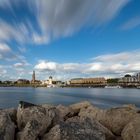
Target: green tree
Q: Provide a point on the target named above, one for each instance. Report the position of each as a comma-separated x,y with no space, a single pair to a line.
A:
113,80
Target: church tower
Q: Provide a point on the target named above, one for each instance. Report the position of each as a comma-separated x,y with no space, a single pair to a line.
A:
33,77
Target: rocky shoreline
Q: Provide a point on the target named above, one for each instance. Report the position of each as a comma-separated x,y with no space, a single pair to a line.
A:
80,121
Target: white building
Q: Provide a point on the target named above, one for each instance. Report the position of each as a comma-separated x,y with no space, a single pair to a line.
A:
130,79
49,82
138,77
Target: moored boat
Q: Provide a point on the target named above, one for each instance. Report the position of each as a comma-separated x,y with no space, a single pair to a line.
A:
113,86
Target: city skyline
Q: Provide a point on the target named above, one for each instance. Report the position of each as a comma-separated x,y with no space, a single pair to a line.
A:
69,39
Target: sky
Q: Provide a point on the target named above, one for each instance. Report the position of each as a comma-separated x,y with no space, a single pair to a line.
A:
69,38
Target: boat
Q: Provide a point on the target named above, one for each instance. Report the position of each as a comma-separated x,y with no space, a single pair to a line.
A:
138,87
113,86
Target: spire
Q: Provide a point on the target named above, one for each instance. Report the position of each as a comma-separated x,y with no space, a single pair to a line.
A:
33,77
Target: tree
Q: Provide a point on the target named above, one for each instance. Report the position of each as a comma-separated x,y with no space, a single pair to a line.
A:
113,80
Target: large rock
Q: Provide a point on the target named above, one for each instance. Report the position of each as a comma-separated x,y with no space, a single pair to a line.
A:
108,134
33,120
31,131
12,112
24,115
7,127
78,106
132,130
79,129
114,119
92,112
65,112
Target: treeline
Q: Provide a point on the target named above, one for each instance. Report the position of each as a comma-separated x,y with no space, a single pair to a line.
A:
113,81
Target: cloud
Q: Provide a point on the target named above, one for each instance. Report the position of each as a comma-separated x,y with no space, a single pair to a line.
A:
4,48
63,18
21,64
2,71
5,3
109,65
55,19
6,53
19,32
9,32
132,23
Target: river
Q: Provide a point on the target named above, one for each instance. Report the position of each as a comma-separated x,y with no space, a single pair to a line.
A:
104,98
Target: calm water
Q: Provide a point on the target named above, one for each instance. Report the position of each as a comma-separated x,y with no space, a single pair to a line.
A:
9,97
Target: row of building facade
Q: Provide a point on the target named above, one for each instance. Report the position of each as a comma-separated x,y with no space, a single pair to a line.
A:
100,80
130,79
127,79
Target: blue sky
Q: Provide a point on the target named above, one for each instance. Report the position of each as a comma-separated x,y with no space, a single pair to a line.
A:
69,39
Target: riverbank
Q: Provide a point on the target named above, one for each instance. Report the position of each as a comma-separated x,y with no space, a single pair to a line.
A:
74,86
80,121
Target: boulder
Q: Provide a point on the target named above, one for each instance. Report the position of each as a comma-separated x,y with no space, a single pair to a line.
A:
12,112
108,134
65,112
31,131
7,127
132,130
38,113
114,119
79,129
92,112
30,116
78,106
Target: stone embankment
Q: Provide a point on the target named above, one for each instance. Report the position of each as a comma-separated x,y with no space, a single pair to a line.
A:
81,121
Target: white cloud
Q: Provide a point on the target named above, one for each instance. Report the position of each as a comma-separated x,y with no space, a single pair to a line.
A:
20,65
114,65
4,48
131,23
3,71
63,18
56,19
40,39
44,65
6,52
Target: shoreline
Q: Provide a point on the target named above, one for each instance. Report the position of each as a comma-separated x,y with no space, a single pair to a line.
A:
77,121
88,86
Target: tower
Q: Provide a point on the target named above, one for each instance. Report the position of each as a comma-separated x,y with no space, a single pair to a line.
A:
33,77
50,80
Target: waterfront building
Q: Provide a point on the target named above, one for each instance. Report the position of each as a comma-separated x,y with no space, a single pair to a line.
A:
88,81
130,79
22,81
138,77
44,82
50,81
